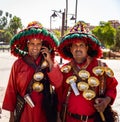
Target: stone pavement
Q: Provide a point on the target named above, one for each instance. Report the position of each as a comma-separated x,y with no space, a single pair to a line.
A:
6,61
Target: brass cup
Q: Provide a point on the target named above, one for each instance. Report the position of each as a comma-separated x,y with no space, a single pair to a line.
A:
38,76
37,86
83,74
82,86
44,64
71,79
98,70
93,81
66,68
109,72
89,94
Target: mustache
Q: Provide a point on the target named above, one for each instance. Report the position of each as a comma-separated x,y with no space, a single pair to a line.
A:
78,51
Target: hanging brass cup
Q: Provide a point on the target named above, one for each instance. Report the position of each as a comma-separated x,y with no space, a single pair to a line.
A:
82,86
38,87
83,74
98,70
89,94
93,81
44,64
66,68
38,76
109,72
71,79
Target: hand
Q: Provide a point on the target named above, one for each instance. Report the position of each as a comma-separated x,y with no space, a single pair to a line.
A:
47,56
58,117
11,117
102,103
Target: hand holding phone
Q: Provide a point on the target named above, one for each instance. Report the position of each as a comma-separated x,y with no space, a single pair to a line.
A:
47,56
44,51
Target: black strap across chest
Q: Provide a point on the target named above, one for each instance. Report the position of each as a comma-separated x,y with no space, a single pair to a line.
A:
37,68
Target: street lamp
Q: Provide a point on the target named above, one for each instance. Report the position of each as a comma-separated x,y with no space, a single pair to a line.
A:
55,14
52,16
64,25
73,18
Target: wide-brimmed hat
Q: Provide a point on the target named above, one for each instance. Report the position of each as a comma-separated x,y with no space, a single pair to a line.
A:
79,33
34,29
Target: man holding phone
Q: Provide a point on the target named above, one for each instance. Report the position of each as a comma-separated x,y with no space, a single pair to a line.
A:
30,92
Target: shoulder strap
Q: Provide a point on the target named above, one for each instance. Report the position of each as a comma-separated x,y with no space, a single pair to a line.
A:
75,69
102,85
31,63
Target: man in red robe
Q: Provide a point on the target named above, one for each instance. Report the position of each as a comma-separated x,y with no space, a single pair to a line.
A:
34,74
87,89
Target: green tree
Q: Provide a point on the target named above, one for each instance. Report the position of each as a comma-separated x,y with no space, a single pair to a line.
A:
117,39
57,33
105,33
15,24
7,36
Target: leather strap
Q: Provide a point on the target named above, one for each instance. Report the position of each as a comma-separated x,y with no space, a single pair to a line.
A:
31,63
102,85
80,117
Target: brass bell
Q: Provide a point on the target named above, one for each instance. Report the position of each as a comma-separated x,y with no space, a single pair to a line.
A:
83,74
82,86
98,70
93,81
89,94
44,64
109,72
37,86
66,68
71,79
38,76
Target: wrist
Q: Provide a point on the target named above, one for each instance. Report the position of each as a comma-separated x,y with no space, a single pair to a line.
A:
108,99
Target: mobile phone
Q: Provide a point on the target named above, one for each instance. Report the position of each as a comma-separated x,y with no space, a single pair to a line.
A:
44,54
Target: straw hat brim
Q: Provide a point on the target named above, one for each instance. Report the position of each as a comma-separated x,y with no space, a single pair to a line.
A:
89,39
18,43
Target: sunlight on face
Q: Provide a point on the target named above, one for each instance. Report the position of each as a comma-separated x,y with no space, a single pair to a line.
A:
79,51
34,47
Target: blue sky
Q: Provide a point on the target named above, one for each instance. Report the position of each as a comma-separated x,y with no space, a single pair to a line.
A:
90,11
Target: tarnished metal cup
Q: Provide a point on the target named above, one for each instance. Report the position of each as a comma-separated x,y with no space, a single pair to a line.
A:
71,80
83,74
93,81
44,64
28,99
82,86
66,68
38,76
109,72
38,87
98,70
89,94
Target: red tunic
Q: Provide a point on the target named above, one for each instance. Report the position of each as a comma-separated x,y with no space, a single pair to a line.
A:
21,75
78,104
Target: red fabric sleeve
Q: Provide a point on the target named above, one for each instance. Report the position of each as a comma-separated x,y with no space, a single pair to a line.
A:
10,95
55,76
111,91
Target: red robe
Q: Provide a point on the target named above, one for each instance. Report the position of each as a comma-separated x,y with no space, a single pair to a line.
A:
21,75
78,104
